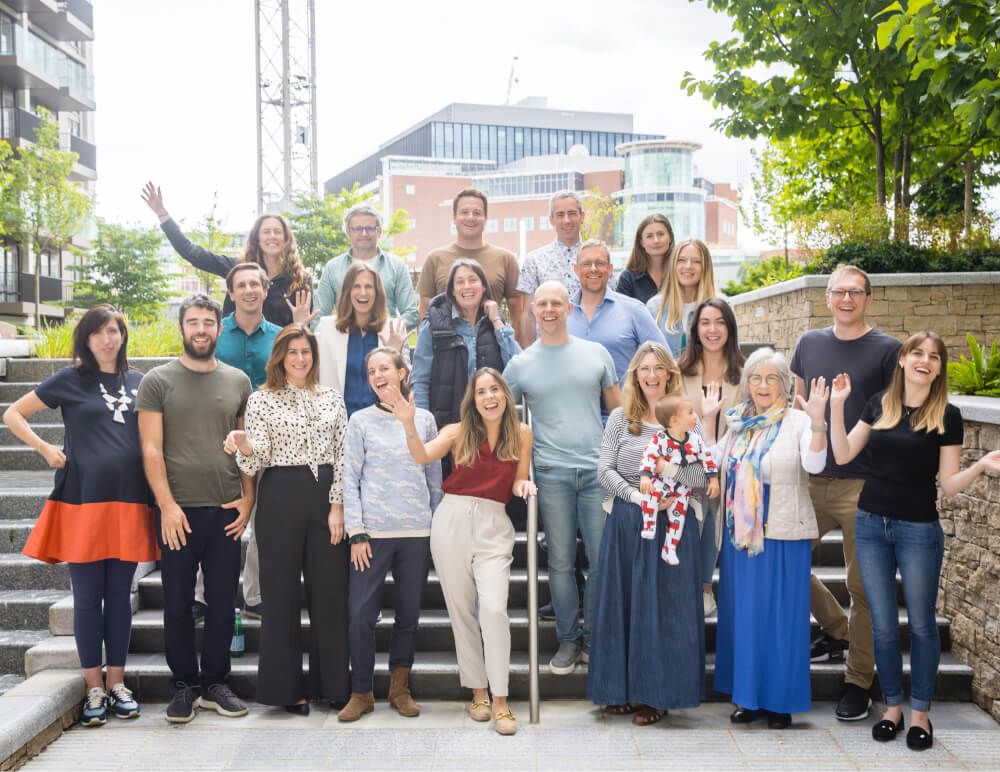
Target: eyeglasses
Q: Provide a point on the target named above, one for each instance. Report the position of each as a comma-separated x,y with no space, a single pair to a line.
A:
646,369
756,379
368,230
840,294
591,265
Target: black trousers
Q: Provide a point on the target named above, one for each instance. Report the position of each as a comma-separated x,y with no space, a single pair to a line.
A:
219,558
293,540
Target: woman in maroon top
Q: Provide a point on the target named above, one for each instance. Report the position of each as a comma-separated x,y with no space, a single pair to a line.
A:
472,539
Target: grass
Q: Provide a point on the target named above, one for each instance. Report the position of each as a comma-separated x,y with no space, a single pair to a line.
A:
158,338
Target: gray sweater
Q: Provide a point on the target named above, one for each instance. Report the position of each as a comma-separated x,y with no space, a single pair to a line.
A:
386,493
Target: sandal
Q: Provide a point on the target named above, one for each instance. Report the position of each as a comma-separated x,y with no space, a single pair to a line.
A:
647,715
624,709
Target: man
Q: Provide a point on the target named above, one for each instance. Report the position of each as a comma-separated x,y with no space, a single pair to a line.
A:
186,409
246,337
564,379
363,226
869,357
619,323
469,209
554,261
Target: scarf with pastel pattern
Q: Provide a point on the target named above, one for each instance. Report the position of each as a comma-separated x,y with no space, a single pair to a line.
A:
744,490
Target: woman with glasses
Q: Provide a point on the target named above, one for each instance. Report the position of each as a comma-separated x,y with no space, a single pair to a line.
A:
689,279
765,459
647,264
648,634
270,244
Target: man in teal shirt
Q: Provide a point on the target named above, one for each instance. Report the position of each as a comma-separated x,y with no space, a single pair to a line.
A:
246,337
363,226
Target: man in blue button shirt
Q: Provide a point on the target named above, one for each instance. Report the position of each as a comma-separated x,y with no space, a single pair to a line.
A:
619,323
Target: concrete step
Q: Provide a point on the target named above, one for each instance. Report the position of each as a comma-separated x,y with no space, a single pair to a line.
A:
14,533
24,573
37,370
434,633
14,644
11,391
49,432
23,494
16,458
27,609
435,675
44,416
9,681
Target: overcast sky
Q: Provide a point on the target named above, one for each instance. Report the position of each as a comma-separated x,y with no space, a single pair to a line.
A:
175,84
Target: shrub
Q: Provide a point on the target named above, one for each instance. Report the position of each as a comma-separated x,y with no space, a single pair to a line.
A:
979,374
901,257
157,338
764,273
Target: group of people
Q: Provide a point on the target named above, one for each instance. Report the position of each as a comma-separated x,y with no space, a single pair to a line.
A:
653,439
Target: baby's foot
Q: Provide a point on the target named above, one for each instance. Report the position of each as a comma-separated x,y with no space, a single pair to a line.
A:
671,557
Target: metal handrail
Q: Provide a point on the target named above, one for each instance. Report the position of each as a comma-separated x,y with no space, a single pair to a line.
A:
532,549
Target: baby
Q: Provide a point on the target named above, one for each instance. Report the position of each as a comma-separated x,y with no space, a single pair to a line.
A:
667,467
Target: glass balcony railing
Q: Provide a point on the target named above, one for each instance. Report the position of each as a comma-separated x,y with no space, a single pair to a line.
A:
45,59
75,77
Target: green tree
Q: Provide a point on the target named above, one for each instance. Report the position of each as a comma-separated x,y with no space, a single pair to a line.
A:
603,216
44,209
210,233
124,269
6,180
318,225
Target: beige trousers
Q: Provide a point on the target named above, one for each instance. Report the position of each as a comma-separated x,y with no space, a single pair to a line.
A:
835,501
472,543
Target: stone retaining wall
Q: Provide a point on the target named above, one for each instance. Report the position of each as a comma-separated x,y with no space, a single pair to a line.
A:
970,578
950,304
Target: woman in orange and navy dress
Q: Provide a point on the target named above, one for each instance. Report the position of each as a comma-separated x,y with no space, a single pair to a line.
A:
98,517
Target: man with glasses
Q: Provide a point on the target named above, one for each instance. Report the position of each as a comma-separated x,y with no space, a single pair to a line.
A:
363,226
619,323
870,357
555,261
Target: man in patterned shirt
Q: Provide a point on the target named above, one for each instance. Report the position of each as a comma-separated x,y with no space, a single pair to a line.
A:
555,261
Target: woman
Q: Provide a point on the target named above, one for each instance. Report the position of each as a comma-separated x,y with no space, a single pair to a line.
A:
646,266
472,539
361,325
711,367
270,244
295,435
766,456
462,332
689,281
98,516
648,652
388,500
913,435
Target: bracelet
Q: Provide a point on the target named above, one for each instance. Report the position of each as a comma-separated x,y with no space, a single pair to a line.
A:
818,429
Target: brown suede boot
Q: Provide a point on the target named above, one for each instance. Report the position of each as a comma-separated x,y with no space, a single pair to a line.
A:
399,693
357,706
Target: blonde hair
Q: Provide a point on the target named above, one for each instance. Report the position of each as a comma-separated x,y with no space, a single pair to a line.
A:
671,299
472,428
635,405
929,417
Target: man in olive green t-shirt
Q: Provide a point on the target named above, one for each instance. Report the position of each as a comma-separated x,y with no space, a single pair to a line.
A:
502,272
186,409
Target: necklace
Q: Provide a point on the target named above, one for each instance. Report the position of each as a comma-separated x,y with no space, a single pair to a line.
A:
117,405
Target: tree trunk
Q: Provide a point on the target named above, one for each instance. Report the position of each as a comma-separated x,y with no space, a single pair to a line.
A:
970,167
897,191
879,157
38,284
905,199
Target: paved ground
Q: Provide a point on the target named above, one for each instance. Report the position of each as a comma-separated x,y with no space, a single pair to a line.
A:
572,735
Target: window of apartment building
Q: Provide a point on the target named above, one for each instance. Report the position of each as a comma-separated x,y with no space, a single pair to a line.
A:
7,128
453,230
528,223
544,224
729,228
411,190
509,224
411,224
51,260
491,226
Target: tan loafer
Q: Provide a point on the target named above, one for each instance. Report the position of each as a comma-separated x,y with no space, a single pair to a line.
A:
505,723
480,711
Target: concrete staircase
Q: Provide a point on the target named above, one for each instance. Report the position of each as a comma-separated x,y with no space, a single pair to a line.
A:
28,588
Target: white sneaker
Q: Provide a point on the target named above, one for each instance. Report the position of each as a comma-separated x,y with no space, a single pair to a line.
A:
710,605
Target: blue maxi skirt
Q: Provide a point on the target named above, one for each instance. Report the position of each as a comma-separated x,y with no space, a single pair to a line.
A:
762,643
648,630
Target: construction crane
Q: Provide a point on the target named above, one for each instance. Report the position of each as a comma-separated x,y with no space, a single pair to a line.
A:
285,33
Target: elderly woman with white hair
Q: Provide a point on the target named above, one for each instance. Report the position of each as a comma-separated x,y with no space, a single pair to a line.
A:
766,456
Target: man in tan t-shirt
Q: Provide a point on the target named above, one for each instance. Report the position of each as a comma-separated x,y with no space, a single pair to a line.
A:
502,272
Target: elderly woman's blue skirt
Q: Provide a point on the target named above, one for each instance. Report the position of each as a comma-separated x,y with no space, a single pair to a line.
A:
648,630
762,643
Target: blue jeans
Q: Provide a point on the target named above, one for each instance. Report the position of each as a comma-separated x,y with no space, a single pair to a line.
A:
570,499
917,549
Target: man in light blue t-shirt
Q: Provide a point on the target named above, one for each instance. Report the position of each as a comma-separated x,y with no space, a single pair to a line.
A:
564,379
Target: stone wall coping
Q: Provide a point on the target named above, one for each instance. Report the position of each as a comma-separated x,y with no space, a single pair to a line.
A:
984,410
877,279
30,708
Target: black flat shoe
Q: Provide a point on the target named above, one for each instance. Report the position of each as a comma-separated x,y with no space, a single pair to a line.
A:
743,716
885,730
918,739
337,704
779,720
299,709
